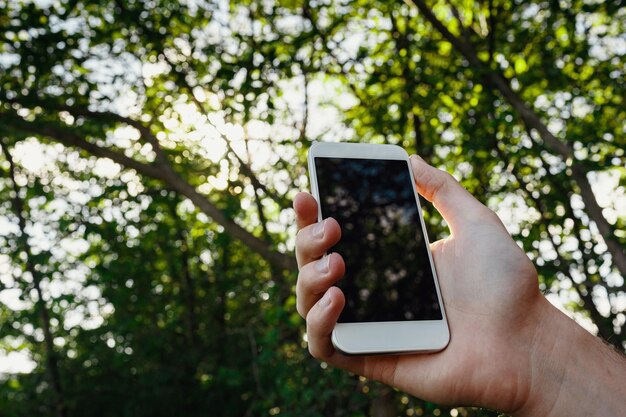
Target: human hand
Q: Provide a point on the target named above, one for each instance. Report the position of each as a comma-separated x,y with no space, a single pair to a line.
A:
490,293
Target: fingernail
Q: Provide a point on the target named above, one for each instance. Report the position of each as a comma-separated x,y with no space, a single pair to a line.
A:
322,265
418,157
318,230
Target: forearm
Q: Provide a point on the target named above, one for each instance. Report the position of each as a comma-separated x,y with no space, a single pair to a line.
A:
573,372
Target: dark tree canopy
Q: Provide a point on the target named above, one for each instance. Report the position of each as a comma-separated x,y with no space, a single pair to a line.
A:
150,151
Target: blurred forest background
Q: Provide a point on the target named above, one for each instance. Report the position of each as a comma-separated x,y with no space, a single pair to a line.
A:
150,151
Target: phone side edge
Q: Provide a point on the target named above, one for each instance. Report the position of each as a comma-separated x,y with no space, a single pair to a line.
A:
428,251
313,179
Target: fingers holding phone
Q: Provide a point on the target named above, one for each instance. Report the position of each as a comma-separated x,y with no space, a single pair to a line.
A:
315,278
321,321
318,272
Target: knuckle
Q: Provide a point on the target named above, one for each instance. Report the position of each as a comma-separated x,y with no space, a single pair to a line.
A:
430,184
439,184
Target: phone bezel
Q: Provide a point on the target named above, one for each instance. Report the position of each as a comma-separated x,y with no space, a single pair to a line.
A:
382,337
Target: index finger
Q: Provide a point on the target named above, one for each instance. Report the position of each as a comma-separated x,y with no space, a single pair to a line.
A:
306,209
455,203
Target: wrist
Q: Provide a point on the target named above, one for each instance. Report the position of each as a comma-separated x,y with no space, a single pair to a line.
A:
571,371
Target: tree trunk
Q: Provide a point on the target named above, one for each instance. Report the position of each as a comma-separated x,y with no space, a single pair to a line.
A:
40,304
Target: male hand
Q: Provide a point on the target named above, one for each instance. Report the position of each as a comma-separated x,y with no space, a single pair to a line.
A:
490,293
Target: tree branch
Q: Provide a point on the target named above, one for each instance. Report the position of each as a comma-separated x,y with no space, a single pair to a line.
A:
401,41
308,14
531,119
605,328
243,166
459,19
578,224
604,324
491,36
160,171
305,111
144,130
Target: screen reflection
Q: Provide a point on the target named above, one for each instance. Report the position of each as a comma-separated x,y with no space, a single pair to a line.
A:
388,274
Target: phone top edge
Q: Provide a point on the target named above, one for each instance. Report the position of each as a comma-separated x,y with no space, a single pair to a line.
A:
356,151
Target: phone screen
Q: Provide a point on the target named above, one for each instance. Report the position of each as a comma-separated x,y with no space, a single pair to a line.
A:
388,271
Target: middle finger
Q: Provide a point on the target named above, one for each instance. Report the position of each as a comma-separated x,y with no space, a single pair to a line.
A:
315,278
314,240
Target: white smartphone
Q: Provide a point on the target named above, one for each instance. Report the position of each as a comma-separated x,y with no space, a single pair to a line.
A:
393,302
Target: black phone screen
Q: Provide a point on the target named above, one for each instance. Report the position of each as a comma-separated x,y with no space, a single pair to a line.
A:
388,272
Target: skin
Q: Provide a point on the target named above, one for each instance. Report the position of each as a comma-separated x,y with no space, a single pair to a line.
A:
510,349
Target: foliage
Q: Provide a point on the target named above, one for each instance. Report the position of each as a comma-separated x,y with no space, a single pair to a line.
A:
151,149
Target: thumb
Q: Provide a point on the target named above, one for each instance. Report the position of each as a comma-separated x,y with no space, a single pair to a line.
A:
455,203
